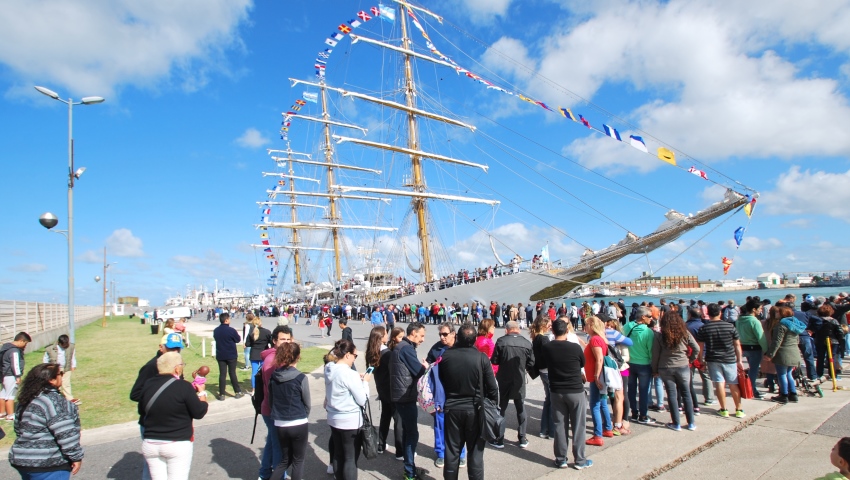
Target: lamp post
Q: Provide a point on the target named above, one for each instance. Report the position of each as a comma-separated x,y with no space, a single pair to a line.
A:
97,279
72,175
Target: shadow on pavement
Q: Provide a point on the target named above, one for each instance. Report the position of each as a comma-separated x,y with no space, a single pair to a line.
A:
130,466
237,460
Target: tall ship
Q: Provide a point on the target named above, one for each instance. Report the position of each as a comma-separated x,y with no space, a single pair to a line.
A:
381,160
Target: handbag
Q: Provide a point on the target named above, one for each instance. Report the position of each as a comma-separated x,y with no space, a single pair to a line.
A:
744,384
369,433
491,420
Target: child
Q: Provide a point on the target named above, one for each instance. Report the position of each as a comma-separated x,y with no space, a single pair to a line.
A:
346,330
840,458
199,380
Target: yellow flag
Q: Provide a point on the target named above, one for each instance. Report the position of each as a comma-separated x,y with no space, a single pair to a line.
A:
264,235
667,155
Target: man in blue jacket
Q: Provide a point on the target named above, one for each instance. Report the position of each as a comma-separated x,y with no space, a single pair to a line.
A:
405,370
226,339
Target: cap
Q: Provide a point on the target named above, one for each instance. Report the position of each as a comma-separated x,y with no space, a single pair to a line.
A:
172,340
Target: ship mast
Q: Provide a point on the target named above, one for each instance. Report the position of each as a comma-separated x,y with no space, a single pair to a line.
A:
333,215
295,241
418,181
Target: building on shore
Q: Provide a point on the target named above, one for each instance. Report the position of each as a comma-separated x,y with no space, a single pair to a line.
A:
769,280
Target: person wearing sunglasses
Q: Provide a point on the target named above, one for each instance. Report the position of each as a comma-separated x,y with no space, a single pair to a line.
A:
346,392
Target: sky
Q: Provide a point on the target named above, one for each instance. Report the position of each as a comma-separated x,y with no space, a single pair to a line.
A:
750,92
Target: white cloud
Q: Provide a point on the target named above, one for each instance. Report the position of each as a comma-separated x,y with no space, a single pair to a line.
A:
713,193
809,193
755,244
708,69
484,10
509,55
122,243
29,268
252,138
90,47
89,256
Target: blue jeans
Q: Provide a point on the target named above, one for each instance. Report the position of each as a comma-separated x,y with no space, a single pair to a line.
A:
409,414
57,475
599,411
642,373
753,361
255,367
807,350
247,353
785,377
271,451
440,436
658,386
547,420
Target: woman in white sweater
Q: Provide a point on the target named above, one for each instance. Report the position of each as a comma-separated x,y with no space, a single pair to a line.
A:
346,391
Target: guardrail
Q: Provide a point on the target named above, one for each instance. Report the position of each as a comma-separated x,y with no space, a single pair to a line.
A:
38,317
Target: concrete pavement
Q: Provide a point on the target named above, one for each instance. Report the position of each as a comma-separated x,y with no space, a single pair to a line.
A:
792,441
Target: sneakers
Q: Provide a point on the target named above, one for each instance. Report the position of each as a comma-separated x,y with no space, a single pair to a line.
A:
330,469
221,398
674,427
711,402
723,413
500,444
463,462
608,433
792,397
595,441
696,410
239,395
523,442
740,414
622,431
644,420
634,417
439,462
587,464
616,432
400,458
783,399
561,464
692,427
544,435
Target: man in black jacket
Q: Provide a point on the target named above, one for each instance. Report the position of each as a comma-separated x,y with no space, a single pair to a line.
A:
461,371
405,370
514,357
447,340
226,338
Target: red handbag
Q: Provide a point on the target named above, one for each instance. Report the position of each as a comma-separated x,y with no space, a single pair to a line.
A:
744,384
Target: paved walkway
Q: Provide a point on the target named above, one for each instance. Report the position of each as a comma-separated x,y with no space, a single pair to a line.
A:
791,441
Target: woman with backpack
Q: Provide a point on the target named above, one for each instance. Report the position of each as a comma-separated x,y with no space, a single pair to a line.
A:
783,350
672,350
289,401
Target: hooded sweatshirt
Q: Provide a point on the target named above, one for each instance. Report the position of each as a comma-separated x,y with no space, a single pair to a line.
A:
345,393
11,360
267,369
289,397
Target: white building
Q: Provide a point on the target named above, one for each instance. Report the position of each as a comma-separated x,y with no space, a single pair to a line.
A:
769,278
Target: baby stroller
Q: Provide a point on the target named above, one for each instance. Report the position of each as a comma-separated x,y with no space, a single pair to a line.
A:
810,387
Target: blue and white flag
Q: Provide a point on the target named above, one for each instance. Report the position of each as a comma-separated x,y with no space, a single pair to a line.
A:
544,254
739,235
612,132
387,13
638,143
311,97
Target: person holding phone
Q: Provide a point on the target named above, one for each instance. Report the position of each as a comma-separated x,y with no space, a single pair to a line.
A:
289,400
378,353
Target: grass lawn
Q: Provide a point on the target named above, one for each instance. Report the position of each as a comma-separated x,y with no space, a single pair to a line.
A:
108,361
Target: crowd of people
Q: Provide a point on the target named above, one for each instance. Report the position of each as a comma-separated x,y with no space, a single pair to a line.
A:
601,359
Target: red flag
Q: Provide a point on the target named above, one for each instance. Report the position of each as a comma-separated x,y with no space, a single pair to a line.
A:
727,263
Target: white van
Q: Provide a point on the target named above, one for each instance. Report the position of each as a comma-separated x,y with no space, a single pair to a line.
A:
175,313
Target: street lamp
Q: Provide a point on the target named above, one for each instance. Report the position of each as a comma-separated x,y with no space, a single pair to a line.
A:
97,279
72,176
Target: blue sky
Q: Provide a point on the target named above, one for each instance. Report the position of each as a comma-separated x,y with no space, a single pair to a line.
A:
755,90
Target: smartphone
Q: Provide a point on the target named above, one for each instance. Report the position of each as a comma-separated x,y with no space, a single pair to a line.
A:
370,370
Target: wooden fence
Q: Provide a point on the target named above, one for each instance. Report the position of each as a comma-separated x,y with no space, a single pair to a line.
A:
38,317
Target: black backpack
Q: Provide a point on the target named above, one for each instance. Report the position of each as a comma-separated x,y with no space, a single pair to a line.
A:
259,392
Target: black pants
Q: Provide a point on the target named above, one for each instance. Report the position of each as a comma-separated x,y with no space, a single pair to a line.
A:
387,414
508,393
226,367
462,429
347,445
293,446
